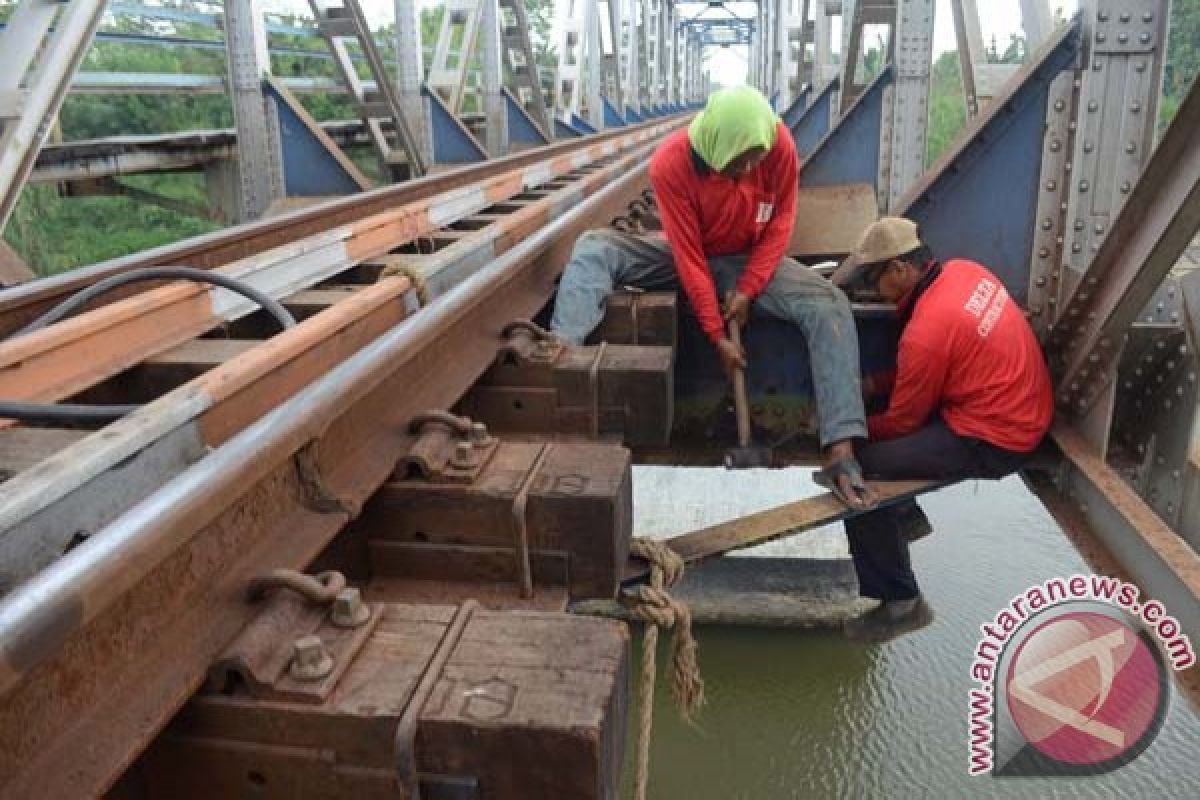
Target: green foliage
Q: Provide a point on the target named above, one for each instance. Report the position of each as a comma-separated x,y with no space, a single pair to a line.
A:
1183,57
947,107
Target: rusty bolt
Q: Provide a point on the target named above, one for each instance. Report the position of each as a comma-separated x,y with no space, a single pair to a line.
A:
310,660
479,435
464,455
349,610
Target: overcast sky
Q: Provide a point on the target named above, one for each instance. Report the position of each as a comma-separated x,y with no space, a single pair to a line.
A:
998,18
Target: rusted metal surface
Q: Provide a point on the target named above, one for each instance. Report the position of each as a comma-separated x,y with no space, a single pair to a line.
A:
1157,558
506,706
623,391
61,360
153,597
20,305
1152,231
529,504
39,510
1075,525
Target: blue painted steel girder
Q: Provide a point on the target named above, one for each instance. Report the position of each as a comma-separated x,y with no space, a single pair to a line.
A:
850,152
811,125
982,204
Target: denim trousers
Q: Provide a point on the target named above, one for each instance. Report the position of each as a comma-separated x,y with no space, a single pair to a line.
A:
878,544
604,260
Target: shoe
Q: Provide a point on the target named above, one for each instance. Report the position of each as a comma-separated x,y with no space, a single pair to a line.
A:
889,620
914,525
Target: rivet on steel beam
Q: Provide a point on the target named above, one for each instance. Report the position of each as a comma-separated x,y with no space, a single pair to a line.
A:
349,610
310,660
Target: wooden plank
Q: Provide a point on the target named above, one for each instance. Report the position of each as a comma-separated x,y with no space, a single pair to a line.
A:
774,523
202,354
830,219
21,448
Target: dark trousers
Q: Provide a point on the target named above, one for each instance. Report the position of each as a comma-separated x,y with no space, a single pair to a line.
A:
877,541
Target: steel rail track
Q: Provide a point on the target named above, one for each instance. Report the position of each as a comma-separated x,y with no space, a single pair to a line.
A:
61,360
100,648
21,304
90,481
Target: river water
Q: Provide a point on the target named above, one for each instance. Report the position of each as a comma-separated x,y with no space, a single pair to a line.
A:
810,715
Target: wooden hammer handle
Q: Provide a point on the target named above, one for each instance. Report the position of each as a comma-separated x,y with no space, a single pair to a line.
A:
741,406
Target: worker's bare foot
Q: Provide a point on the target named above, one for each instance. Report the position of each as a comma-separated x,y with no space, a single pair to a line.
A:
843,476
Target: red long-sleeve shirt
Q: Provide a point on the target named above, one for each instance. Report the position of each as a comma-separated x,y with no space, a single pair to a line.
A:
968,353
707,214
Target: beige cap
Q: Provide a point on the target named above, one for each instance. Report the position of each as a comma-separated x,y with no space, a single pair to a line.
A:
887,238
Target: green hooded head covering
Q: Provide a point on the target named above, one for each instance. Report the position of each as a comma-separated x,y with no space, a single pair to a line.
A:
733,121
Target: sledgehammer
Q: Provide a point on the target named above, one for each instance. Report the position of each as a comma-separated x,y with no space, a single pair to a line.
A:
744,456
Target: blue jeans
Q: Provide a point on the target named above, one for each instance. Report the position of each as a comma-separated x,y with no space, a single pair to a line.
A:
606,259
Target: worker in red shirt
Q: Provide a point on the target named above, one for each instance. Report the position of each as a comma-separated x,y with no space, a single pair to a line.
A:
726,192
972,399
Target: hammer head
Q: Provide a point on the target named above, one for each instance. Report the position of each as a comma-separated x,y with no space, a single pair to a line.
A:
747,457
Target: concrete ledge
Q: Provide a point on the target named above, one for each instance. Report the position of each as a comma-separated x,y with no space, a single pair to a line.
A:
818,593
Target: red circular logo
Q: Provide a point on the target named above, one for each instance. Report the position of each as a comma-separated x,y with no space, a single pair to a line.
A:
1084,688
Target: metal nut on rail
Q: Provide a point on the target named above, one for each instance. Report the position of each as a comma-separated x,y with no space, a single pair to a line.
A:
310,660
479,435
349,610
464,456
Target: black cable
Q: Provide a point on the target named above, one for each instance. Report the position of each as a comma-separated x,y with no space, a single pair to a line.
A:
37,412
77,300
